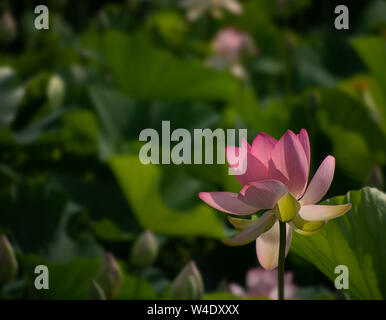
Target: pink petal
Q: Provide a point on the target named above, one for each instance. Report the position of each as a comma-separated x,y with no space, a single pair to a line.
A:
263,194
262,147
267,246
289,164
253,231
251,168
305,141
232,157
227,202
320,183
320,212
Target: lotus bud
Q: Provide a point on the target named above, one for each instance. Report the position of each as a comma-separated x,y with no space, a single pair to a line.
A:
375,178
286,208
55,91
96,292
145,250
188,285
110,276
8,263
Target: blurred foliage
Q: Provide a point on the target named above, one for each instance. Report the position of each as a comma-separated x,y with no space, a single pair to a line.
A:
74,98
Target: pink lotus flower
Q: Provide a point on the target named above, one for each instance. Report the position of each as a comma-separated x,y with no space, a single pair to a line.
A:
263,283
275,180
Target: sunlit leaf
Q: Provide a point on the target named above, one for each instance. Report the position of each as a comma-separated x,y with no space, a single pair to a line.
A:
140,184
356,240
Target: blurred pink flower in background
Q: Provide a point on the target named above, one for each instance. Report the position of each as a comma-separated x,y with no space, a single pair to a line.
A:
197,8
233,44
230,46
263,283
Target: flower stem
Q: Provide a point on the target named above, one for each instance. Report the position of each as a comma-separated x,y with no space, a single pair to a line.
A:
280,271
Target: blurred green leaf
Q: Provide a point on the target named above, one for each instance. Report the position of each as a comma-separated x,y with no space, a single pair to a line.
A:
141,183
169,24
145,72
119,116
122,119
270,115
374,16
373,51
353,137
366,90
314,293
115,224
356,240
309,68
178,190
33,131
38,213
137,288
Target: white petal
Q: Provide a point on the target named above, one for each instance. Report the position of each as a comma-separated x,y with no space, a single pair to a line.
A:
321,212
267,246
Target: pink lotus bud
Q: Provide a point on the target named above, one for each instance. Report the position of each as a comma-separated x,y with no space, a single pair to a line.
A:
110,276
188,285
145,250
8,263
